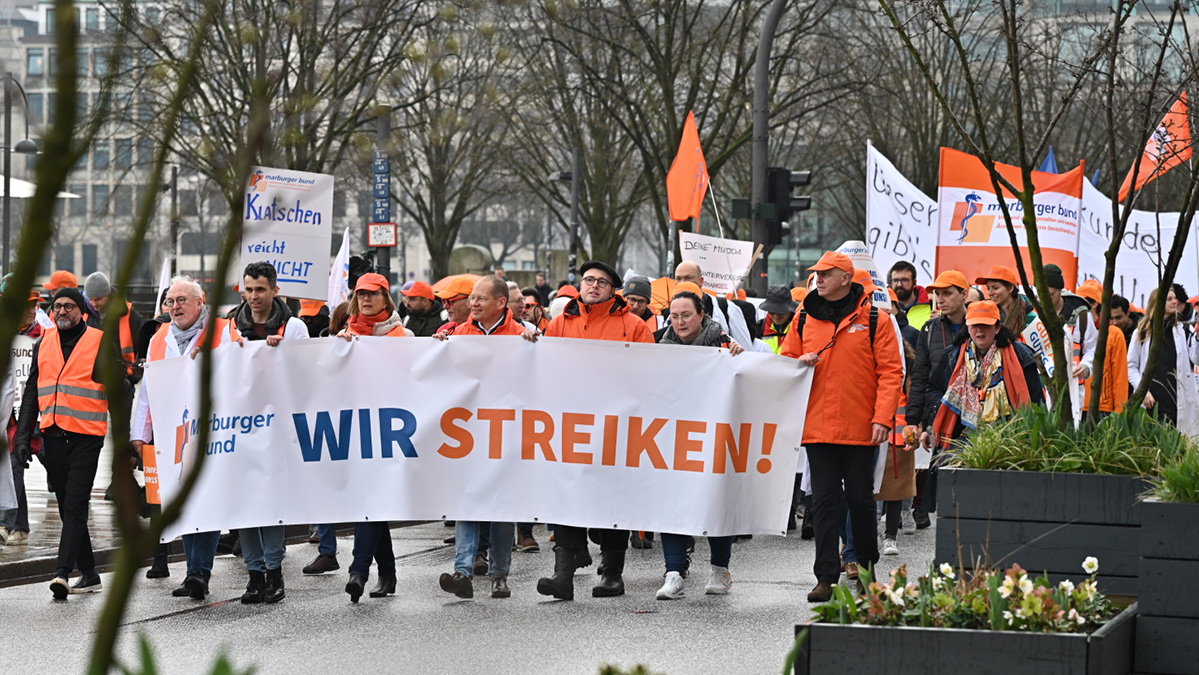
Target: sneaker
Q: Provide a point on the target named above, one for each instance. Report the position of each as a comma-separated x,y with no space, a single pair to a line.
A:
909,523
889,547
822,593
457,583
499,588
60,588
17,538
527,544
86,584
922,520
720,582
672,589
3,535
851,570
323,563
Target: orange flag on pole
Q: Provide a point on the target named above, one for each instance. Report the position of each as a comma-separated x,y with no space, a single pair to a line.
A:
1169,146
687,180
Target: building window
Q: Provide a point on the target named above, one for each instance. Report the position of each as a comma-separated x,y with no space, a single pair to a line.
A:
145,151
35,65
82,61
81,109
339,203
91,258
187,203
124,156
122,200
100,67
100,156
52,63
51,21
99,200
92,19
65,258
77,207
51,100
37,110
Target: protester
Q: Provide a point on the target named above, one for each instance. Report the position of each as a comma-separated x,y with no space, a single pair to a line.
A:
425,314
69,395
780,310
741,325
1122,317
98,291
315,315
1002,284
455,298
1114,391
985,376
372,313
337,319
182,335
638,291
909,333
61,279
913,299
935,338
490,315
1073,311
858,377
898,485
516,305
543,289
597,314
535,313
690,325
499,272
264,316
1172,396
14,523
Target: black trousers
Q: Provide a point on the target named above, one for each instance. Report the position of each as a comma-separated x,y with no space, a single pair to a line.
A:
831,465
71,462
568,536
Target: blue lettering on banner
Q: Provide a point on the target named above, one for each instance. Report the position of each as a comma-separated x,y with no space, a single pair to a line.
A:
314,438
280,213
291,271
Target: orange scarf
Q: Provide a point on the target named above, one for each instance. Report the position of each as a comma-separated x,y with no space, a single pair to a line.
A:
1013,382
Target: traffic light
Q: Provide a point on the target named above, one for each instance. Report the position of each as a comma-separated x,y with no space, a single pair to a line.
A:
779,183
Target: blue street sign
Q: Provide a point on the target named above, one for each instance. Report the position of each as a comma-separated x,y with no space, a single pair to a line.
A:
382,211
382,185
381,163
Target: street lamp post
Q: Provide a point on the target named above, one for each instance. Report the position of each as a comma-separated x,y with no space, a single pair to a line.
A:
575,178
23,146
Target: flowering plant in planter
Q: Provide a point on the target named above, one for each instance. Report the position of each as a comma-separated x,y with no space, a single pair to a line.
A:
1008,600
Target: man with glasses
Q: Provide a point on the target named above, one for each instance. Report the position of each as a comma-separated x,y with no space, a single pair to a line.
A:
65,387
638,291
597,314
913,299
855,393
182,336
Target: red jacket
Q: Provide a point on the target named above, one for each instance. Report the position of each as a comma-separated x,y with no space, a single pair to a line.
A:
610,320
856,384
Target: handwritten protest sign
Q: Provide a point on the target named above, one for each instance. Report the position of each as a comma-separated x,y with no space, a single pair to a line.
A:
289,223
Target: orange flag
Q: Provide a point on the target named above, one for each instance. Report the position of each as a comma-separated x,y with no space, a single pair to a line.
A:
687,180
1169,146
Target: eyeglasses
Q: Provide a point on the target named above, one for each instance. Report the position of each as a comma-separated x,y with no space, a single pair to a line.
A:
598,282
368,294
171,302
481,298
900,281
687,316
63,307
636,302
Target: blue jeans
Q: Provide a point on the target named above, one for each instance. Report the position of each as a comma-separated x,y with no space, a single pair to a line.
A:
199,549
674,549
263,547
373,540
328,535
466,539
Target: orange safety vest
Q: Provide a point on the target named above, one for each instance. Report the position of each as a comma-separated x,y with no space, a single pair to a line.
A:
128,352
158,343
67,395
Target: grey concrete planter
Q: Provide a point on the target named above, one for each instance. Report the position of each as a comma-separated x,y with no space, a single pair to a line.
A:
1046,522
833,648
1169,589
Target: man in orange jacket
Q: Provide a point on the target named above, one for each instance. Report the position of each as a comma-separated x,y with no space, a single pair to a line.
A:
64,387
597,314
855,393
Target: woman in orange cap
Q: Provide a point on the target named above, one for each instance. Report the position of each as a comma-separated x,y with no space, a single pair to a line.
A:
1002,285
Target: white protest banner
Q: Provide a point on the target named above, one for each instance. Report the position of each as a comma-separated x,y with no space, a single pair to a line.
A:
710,449
725,262
860,255
22,362
289,223
901,221
1147,236
339,274
1036,336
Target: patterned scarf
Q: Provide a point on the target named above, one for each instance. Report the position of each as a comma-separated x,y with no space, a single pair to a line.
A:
977,390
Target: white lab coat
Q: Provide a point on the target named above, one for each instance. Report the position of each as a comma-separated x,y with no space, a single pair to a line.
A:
1188,390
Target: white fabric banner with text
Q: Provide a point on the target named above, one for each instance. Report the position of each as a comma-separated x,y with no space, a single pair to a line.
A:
901,221
724,262
659,438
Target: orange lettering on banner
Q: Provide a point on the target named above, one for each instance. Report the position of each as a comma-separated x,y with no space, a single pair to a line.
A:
531,438
684,445
571,436
727,448
497,417
767,445
611,428
466,442
643,441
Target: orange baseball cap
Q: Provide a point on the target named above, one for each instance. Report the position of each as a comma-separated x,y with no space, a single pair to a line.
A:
421,290
799,293
891,292
372,282
982,312
950,278
34,296
832,259
1091,290
687,286
457,286
1000,273
567,291
311,307
62,279
863,277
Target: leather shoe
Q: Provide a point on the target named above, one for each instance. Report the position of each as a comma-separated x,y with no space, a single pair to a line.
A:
197,587
385,587
458,584
355,586
182,591
822,593
480,565
321,564
499,588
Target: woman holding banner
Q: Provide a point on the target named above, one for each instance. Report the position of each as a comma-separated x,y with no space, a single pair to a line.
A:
1173,395
690,325
372,312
